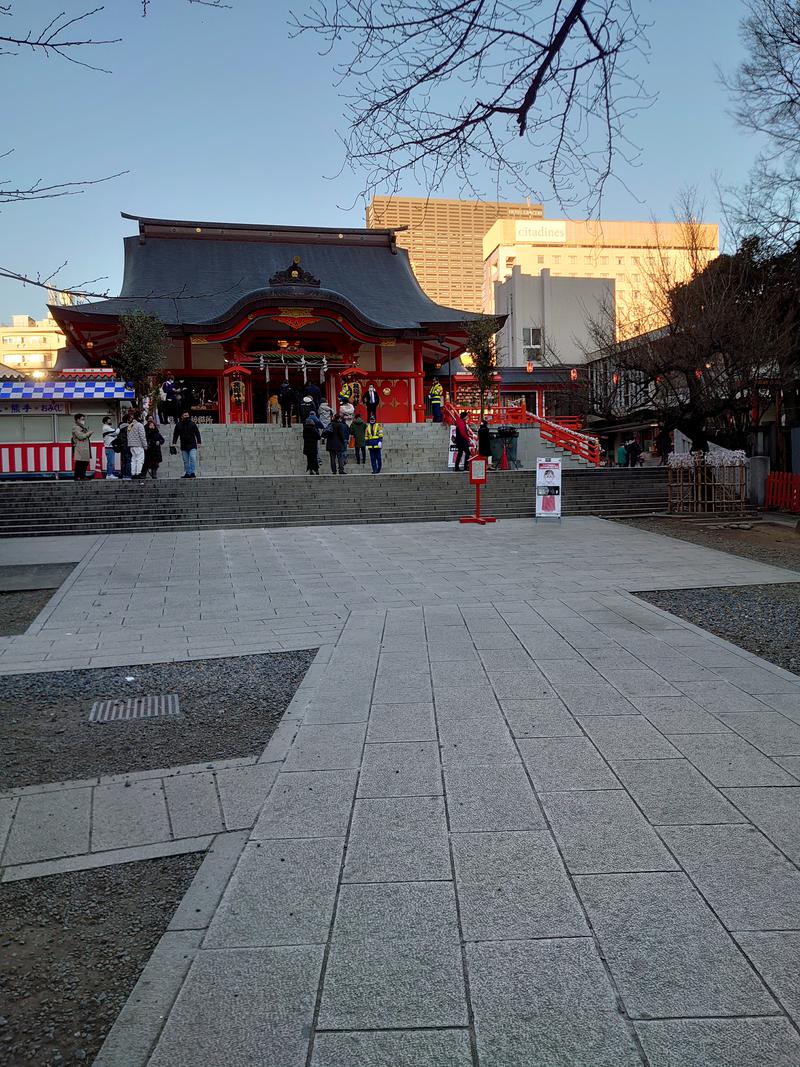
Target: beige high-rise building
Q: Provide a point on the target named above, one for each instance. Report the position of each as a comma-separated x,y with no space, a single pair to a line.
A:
640,257
445,241
28,344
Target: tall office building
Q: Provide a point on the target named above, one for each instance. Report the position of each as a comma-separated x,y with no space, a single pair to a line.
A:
445,241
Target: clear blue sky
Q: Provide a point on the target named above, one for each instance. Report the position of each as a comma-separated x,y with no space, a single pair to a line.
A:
219,115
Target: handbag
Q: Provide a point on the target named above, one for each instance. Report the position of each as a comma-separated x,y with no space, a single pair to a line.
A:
173,450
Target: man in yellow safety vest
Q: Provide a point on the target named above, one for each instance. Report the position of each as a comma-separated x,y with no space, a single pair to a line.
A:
374,441
436,397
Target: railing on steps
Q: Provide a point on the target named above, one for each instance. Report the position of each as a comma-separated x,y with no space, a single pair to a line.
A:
581,445
783,492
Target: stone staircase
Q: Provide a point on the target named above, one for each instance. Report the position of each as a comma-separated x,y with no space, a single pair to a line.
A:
268,450
37,508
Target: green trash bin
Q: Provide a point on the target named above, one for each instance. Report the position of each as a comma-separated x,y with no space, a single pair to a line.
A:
508,438
496,447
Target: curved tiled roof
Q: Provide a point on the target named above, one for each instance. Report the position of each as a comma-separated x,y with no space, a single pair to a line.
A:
199,274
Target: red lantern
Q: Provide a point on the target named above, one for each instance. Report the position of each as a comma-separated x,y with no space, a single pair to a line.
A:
573,374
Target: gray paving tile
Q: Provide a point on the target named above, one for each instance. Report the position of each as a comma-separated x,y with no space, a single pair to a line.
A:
396,910
193,804
385,983
774,955
546,1002
308,804
458,672
406,1048
575,670
672,791
748,883
678,715
513,659
513,885
566,763
202,897
492,797
399,839
125,816
769,731
400,769
603,831
520,685
243,791
790,764
667,952
621,737
639,682
355,708
401,722
327,747
776,812
49,825
463,747
540,718
281,893
758,680
719,695
726,759
720,1043
594,700
243,1006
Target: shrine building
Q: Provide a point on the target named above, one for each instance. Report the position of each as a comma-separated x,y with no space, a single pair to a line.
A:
248,307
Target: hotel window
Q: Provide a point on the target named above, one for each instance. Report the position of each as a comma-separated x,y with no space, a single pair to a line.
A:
573,259
604,261
556,259
620,261
540,259
587,260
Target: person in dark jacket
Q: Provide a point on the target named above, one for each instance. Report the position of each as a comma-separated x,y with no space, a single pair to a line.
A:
307,406
188,434
313,390
358,428
484,440
311,436
371,399
336,437
462,440
152,453
287,398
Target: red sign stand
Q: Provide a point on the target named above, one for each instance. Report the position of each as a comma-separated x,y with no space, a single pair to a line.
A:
478,476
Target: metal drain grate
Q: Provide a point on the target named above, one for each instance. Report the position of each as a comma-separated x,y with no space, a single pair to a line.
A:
135,708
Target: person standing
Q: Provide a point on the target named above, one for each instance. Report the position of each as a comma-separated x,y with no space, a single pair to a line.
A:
311,436
358,428
371,401
170,402
484,440
634,450
345,393
109,433
81,448
462,440
348,412
374,442
137,442
152,454
336,444
436,397
663,445
287,400
307,406
325,413
188,434
312,389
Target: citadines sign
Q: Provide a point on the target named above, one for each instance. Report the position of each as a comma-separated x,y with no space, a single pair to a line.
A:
542,233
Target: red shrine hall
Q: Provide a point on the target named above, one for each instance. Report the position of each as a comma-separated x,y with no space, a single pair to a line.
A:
248,307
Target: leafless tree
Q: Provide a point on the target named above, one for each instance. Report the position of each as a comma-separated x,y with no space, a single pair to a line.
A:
766,100
518,88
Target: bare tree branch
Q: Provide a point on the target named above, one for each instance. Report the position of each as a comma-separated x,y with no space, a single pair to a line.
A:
440,88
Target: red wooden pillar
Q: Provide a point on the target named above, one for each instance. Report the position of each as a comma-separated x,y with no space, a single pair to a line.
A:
419,384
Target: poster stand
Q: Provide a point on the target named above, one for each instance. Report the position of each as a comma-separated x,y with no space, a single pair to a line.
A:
478,476
548,489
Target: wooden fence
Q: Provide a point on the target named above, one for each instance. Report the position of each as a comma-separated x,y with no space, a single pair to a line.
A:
705,488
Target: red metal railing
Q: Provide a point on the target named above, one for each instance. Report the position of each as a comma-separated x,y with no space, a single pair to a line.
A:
783,492
42,458
579,444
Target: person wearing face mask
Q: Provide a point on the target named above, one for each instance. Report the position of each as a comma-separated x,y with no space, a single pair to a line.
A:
81,448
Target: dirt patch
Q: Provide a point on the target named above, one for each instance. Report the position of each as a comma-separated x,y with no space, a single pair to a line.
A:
764,619
73,947
19,609
766,542
230,708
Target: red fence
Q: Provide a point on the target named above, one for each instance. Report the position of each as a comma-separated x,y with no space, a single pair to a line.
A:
42,459
783,492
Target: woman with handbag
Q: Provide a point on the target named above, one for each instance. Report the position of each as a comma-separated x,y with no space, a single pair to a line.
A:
152,453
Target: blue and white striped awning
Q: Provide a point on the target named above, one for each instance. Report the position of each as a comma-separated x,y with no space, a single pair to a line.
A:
108,389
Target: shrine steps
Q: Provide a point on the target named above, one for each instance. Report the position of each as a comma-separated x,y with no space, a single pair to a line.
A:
99,507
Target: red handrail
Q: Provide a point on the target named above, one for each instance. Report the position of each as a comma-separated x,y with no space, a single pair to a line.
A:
783,492
579,444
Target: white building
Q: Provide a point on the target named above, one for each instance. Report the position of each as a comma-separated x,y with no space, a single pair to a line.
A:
549,317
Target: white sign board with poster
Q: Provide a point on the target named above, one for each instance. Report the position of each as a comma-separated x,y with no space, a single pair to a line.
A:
548,488
453,449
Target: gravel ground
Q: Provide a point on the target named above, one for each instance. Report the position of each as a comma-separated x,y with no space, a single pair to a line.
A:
764,619
19,609
73,947
230,707
766,542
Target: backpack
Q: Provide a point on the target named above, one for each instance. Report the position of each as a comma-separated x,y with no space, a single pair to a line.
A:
120,442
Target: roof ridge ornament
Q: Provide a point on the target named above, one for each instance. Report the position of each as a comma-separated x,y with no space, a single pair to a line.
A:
294,275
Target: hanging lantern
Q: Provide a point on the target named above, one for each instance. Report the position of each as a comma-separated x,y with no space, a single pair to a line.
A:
615,378
529,366
573,375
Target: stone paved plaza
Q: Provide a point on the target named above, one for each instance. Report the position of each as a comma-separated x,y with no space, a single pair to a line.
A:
513,817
